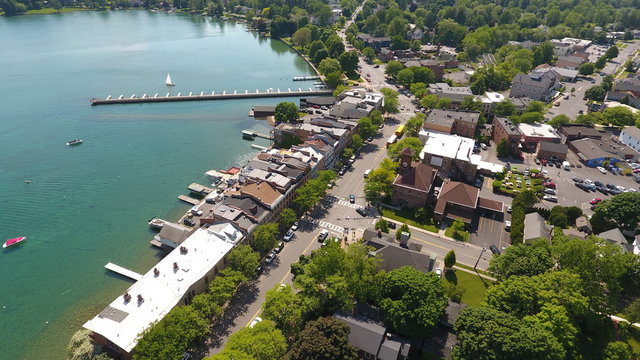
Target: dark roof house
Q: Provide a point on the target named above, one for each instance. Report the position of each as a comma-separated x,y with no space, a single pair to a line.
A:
372,339
395,256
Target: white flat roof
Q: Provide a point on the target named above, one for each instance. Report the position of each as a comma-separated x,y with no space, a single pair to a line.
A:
493,167
121,322
449,146
492,97
538,130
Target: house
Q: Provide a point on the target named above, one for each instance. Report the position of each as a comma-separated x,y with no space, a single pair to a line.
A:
532,134
262,111
456,200
630,136
537,85
490,100
412,186
570,132
452,155
616,237
583,224
375,42
631,84
503,128
622,96
455,94
574,233
172,235
461,123
357,103
173,281
372,340
550,150
594,152
395,256
572,43
536,228
386,55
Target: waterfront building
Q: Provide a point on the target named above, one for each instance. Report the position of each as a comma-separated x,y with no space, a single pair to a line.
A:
174,281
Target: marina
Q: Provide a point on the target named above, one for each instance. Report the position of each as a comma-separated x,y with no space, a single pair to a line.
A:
305,78
133,99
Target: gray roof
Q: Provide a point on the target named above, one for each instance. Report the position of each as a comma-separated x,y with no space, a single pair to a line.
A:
597,149
264,108
509,127
615,237
554,147
585,131
632,131
394,256
365,334
447,117
322,100
175,232
535,227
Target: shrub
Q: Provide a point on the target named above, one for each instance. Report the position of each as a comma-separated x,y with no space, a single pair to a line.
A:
496,186
382,225
455,293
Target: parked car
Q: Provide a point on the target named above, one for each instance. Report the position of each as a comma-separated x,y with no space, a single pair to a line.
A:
550,198
279,248
509,209
196,211
352,198
255,321
549,191
537,161
603,190
361,211
621,188
598,183
549,185
323,235
587,182
391,224
507,225
577,180
494,249
610,186
595,201
189,221
270,256
483,146
601,169
288,236
294,227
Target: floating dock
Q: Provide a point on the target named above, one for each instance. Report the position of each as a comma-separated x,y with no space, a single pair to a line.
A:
122,271
199,189
307,77
188,199
213,96
258,147
250,134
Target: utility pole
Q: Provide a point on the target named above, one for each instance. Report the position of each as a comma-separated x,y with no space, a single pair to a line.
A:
484,248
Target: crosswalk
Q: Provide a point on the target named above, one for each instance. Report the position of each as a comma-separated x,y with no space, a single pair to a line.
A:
333,199
406,113
329,226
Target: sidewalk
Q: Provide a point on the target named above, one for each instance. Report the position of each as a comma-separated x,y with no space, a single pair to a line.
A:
474,273
439,234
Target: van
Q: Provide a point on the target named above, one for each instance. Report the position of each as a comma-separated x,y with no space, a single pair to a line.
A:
366,173
566,165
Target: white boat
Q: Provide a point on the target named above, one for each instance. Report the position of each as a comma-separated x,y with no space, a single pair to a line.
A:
156,223
169,82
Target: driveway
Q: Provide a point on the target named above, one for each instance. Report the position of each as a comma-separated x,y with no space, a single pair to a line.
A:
488,229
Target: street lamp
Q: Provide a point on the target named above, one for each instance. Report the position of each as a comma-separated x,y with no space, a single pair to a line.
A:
484,248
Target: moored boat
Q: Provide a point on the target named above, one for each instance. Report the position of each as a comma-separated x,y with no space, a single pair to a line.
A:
74,142
156,223
14,241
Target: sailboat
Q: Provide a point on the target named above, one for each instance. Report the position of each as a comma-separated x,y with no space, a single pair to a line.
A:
169,82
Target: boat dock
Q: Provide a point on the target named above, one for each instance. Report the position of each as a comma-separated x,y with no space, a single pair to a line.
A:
199,189
258,147
250,134
188,199
122,271
306,77
269,93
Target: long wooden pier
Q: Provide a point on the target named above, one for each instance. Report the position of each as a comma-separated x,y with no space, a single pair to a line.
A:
188,200
122,271
133,99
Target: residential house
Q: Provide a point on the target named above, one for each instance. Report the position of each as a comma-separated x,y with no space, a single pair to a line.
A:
456,200
372,340
630,84
564,74
574,233
455,94
583,224
615,98
532,134
550,150
630,136
395,256
536,228
490,100
173,281
171,235
594,152
570,132
375,42
461,123
412,185
503,128
386,55
261,111
537,85
245,213
616,237
452,155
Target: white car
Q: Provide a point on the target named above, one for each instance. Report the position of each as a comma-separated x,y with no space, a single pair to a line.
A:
507,225
550,198
288,236
323,235
255,321
621,188
196,211
587,182
294,227
439,272
601,169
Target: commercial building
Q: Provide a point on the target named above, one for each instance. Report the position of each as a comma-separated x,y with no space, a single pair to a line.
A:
532,134
463,123
412,186
174,281
503,128
569,133
452,155
455,94
550,150
630,136
594,152
573,44
537,85
357,103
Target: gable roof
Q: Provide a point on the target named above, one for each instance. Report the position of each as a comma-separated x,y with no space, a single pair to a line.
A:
419,176
394,256
457,193
262,191
371,337
554,147
535,227
614,236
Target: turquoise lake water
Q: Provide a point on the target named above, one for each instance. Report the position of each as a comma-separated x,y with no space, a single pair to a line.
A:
88,205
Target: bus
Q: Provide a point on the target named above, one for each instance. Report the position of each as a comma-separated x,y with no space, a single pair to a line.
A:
400,131
392,140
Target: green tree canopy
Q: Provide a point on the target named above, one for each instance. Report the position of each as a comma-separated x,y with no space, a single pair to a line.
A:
612,52
596,93
287,218
265,237
329,65
393,68
243,259
390,100
408,142
559,120
450,259
429,101
366,128
504,108
283,307
286,112
405,77
261,342
619,116
503,148
325,338
522,259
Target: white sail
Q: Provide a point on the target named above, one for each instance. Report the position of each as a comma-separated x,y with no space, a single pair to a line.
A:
169,82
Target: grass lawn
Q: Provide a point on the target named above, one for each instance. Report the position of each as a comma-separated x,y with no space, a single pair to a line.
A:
407,217
471,268
47,11
472,284
512,186
449,233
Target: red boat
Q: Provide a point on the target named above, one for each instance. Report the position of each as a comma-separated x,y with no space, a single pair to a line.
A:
15,241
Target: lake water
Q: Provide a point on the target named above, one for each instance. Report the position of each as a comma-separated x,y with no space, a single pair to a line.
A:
88,205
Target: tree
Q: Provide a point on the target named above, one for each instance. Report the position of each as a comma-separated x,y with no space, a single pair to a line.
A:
302,37
314,47
243,259
404,228
535,106
265,237
390,100
378,184
619,116
282,306
382,225
325,338
261,342
450,33
376,117
366,129
287,218
423,74
450,259
624,209
356,141
329,65
503,148
601,62
632,312
587,68
393,68
429,101
530,118
443,103
349,63
612,52
595,93
334,79
419,89
520,259
504,108
471,103
408,142
286,112
405,77
414,125
412,301
618,350
559,120
369,53
360,270
558,217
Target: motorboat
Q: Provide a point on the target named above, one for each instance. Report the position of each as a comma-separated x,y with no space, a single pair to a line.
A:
13,242
74,142
156,223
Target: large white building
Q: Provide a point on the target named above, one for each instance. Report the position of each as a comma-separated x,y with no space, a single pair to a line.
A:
174,281
451,154
630,136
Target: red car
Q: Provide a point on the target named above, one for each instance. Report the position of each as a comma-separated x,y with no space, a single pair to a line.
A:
595,201
316,106
550,185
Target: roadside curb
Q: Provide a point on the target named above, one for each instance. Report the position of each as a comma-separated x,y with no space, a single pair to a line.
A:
475,273
456,242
